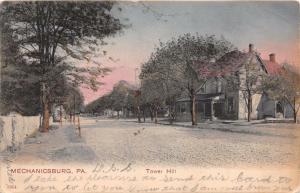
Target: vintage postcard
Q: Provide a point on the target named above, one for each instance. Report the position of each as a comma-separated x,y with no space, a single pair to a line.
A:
149,96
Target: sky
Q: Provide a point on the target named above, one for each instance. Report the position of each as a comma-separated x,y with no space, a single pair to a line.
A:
273,27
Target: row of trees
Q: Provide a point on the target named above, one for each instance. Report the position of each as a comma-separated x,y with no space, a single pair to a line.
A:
127,99
121,98
43,44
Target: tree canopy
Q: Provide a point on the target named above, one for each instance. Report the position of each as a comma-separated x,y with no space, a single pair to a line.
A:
178,66
52,36
120,98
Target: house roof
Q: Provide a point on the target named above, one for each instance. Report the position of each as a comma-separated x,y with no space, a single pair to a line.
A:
232,62
227,64
272,67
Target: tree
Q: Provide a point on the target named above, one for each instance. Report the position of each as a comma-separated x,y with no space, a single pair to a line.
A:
242,73
49,33
181,64
130,102
121,98
73,102
158,88
15,82
152,94
284,86
99,105
118,96
249,84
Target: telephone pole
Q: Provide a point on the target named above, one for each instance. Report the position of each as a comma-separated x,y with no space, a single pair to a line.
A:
74,109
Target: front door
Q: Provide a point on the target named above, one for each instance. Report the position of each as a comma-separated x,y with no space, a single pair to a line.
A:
218,109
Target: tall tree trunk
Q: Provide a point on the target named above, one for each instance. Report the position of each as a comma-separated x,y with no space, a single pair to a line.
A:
295,117
172,113
74,109
138,109
193,107
46,111
144,115
151,113
46,117
155,115
295,111
118,114
139,114
249,107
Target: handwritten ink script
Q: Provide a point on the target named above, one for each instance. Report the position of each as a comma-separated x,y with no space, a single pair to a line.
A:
130,178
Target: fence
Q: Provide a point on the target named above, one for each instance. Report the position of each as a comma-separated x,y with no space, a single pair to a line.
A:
15,128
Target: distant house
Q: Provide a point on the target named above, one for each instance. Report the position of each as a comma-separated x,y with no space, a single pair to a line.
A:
58,111
216,100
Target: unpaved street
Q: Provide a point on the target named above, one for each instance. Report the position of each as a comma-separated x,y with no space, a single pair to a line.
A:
124,141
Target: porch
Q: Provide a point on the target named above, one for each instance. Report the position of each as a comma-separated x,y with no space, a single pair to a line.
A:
208,107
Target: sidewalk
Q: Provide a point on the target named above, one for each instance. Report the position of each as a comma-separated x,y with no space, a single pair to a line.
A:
255,127
60,144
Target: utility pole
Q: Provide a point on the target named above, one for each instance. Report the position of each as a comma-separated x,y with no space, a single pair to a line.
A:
74,109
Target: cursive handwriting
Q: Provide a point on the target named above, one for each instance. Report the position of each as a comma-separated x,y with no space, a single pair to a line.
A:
125,178
100,167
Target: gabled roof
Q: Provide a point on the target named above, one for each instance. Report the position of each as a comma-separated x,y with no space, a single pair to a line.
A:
272,67
261,62
227,64
232,62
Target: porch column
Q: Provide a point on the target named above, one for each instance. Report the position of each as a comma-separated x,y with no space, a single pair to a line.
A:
212,111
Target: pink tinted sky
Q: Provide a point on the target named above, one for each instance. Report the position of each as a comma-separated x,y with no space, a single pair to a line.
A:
273,27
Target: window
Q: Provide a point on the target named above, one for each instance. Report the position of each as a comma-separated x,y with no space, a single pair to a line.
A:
182,108
230,104
219,85
207,109
200,107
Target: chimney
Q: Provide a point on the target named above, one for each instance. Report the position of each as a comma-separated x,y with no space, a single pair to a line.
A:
251,48
272,57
